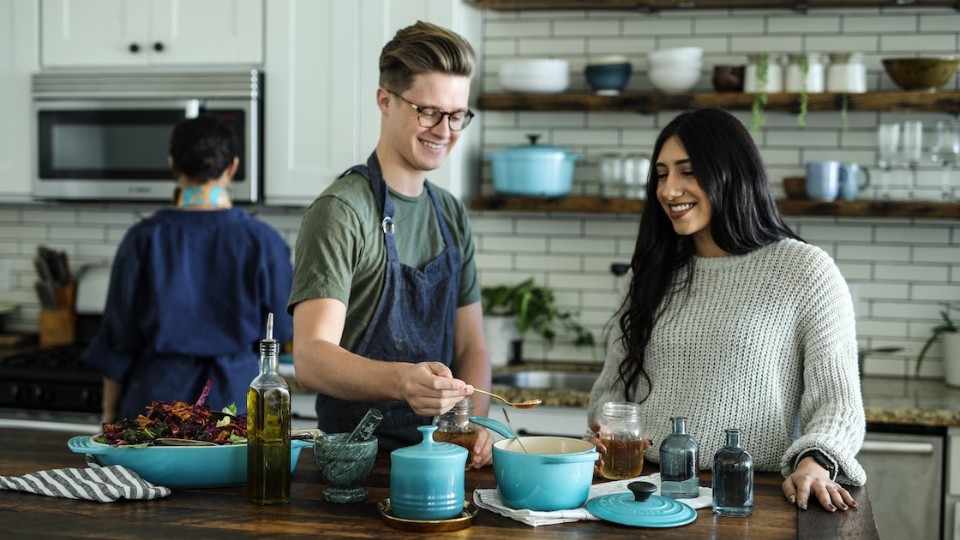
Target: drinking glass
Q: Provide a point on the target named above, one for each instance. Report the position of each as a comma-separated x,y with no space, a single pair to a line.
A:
912,151
945,151
888,141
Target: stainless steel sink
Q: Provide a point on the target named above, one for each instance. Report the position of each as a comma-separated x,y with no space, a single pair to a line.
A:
556,380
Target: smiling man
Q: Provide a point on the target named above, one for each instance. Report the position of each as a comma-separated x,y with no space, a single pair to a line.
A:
385,299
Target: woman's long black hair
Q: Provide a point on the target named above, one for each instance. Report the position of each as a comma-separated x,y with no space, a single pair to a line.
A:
729,169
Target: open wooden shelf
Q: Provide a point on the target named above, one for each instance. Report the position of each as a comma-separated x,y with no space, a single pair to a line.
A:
789,207
646,103
655,5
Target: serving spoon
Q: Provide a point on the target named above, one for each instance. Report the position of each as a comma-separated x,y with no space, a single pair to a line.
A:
518,405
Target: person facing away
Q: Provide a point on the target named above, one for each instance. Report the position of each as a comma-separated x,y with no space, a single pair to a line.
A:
729,319
385,299
191,287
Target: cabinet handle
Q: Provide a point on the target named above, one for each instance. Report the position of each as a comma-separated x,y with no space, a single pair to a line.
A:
897,447
158,46
134,48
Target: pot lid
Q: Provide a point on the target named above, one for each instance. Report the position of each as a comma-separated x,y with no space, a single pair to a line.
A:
536,150
430,449
641,508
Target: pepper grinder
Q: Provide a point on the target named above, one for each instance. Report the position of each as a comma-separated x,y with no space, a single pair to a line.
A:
733,478
679,462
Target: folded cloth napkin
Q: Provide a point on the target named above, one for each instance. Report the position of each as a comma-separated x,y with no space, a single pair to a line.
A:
490,500
95,483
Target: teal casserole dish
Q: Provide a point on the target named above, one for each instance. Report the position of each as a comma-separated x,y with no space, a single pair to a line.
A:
179,466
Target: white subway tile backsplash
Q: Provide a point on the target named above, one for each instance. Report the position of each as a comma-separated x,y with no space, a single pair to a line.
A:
499,29
553,47
936,293
881,24
832,233
657,26
937,254
520,244
911,273
565,263
588,28
897,43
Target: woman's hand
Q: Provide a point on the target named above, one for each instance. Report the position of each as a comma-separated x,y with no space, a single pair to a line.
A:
810,478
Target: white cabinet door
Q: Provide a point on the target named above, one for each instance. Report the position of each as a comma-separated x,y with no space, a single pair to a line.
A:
18,59
321,71
101,33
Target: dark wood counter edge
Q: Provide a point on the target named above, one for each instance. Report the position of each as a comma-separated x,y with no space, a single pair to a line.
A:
789,207
190,513
941,101
654,5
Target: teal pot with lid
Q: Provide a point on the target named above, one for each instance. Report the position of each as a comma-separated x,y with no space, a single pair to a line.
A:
533,169
545,474
426,479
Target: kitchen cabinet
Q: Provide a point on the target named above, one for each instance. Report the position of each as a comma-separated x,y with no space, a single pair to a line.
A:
905,472
101,33
19,22
322,74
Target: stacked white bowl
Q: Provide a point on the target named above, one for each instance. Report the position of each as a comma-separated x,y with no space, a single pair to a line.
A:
676,69
536,75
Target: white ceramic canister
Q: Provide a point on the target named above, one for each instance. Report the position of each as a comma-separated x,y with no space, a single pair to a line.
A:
794,77
847,73
755,68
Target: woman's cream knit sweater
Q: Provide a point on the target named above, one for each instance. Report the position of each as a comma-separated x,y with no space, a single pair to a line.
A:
764,342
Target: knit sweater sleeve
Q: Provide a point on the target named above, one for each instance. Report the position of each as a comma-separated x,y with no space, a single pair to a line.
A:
831,409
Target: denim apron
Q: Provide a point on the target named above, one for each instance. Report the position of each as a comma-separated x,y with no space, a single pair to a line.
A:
413,322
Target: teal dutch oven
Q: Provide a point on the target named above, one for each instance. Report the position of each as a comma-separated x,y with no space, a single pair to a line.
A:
546,473
533,169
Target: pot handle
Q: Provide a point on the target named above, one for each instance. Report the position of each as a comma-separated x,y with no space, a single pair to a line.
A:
569,458
83,444
494,425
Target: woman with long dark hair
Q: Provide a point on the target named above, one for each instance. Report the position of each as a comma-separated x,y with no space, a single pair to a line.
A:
731,320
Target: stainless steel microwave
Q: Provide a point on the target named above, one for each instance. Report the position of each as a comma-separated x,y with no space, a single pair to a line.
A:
105,136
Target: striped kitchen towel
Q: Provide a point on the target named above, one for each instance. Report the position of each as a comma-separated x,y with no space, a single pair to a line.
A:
95,483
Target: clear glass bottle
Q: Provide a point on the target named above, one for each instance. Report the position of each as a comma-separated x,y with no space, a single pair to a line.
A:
268,428
733,478
454,427
679,463
620,434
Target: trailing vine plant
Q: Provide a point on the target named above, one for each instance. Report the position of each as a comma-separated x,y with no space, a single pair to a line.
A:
844,105
760,97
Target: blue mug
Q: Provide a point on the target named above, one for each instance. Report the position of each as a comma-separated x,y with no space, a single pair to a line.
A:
850,182
823,179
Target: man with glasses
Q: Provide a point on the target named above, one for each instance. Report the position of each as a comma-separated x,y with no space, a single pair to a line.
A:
385,299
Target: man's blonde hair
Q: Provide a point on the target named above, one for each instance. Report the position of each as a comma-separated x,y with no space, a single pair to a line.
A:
424,48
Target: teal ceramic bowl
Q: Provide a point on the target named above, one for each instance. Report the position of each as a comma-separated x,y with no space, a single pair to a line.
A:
179,466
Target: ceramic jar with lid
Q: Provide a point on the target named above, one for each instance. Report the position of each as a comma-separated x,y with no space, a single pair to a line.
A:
763,74
804,73
847,73
426,479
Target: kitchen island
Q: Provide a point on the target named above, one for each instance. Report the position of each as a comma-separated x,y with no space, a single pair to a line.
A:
225,512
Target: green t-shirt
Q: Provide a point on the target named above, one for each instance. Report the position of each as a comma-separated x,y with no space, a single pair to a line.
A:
340,252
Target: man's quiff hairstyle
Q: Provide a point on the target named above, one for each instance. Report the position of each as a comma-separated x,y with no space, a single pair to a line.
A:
424,48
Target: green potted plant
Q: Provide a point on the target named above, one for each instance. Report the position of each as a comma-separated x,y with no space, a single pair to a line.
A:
528,307
951,345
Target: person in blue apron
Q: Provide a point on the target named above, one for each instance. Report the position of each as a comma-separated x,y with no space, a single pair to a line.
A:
385,299
190,288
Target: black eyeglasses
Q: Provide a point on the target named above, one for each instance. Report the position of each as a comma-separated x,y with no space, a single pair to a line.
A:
430,117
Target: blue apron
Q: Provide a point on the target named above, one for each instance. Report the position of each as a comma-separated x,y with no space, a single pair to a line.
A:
413,322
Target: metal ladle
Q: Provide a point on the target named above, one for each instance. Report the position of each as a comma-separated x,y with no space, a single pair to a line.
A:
518,405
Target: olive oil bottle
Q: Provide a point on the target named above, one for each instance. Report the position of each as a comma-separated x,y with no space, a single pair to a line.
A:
268,428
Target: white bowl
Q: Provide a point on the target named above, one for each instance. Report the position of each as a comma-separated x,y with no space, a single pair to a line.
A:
670,79
675,55
537,75
607,59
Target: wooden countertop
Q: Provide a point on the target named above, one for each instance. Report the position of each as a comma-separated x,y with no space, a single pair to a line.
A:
225,512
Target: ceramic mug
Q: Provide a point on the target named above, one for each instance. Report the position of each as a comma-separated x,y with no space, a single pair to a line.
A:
824,179
850,183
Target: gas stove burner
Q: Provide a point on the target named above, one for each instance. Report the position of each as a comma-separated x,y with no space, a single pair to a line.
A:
53,379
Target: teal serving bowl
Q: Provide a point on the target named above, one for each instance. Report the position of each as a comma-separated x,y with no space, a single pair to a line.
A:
179,466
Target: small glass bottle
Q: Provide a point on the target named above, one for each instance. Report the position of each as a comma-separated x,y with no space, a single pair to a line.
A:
620,434
454,427
733,478
679,463
268,428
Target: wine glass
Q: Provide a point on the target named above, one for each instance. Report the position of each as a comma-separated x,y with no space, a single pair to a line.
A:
888,140
912,151
946,151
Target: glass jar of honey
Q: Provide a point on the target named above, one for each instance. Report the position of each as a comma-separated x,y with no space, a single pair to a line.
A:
620,434
454,427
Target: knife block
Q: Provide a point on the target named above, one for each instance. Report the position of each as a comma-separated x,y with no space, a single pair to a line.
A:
59,326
